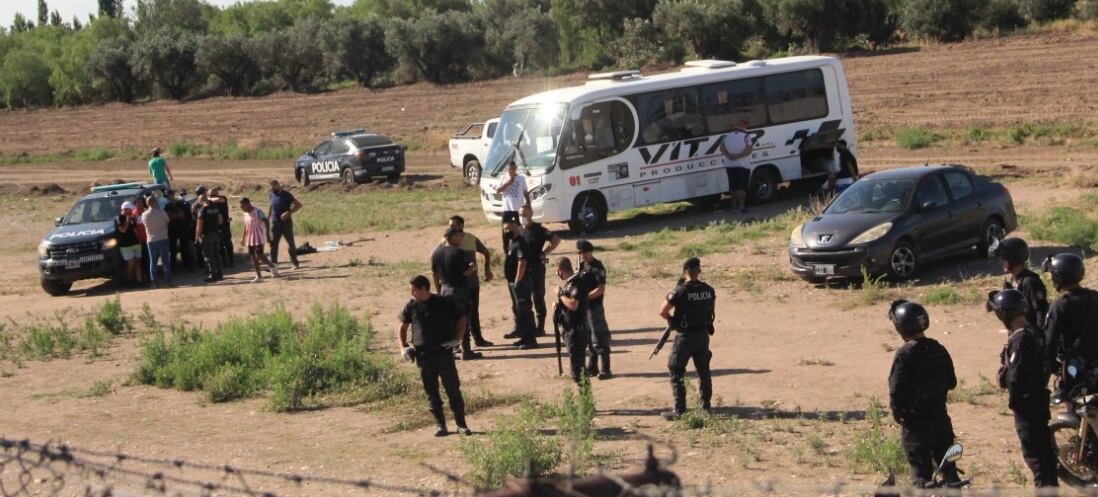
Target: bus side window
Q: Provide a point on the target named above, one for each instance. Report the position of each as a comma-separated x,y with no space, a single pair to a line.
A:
602,130
670,115
727,102
796,96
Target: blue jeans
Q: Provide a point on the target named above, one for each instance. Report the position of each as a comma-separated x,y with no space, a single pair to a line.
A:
160,250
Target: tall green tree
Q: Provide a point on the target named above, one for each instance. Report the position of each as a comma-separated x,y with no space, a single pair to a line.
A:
231,58
24,79
20,24
43,13
167,58
292,56
586,27
354,49
406,9
111,8
110,69
184,15
439,47
711,30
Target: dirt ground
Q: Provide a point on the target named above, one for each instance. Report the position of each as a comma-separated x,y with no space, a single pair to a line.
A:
771,352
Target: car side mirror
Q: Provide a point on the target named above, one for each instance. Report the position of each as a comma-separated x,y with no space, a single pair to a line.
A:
928,206
57,221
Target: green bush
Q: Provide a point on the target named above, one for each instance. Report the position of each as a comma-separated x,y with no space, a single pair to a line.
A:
323,361
1068,226
944,20
505,452
942,296
112,318
915,138
576,424
25,79
167,57
1003,15
877,448
1045,10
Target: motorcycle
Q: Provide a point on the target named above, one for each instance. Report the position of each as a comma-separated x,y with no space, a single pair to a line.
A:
1075,434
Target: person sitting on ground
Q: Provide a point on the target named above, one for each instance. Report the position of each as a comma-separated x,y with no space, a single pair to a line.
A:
256,232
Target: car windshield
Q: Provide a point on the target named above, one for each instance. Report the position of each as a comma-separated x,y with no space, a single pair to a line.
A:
94,210
870,195
530,135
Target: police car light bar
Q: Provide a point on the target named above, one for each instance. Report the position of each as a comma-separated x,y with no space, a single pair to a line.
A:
116,186
353,132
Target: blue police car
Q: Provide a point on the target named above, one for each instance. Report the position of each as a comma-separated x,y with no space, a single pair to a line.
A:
351,157
82,245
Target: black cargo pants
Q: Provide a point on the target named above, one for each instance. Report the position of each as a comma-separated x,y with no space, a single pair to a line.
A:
575,339
1038,448
438,364
690,346
925,441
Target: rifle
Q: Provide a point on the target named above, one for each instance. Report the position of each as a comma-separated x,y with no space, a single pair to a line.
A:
556,334
662,342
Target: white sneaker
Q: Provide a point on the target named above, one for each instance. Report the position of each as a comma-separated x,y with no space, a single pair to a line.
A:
295,267
274,271
257,279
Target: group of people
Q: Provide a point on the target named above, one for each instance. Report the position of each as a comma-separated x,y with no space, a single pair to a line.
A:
1042,340
158,236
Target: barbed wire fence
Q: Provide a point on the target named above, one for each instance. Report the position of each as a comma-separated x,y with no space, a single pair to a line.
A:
29,469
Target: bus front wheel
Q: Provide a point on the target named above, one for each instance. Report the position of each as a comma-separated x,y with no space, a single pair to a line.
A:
763,185
588,214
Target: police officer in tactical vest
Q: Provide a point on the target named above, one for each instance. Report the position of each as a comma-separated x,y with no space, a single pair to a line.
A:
1023,375
922,375
437,328
599,346
516,268
690,311
572,316
1071,328
1013,254
451,270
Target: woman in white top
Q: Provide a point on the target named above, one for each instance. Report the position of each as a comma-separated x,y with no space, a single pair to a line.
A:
515,195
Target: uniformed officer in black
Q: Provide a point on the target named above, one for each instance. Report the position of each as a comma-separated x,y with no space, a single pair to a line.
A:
598,362
451,270
922,375
1071,328
1023,375
1013,254
516,269
537,236
437,327
573,316
690,311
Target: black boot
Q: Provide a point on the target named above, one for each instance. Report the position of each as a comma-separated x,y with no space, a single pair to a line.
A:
604,373
462,428
440,423
540,326
592,365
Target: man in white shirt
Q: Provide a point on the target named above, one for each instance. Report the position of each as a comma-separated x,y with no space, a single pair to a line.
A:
736,147
515,195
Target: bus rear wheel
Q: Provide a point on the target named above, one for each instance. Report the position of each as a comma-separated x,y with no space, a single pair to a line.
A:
588,214
763,185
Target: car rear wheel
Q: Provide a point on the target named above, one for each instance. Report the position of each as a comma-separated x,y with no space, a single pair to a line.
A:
302,177
763,185
588,214
393,177
348,177
56,287
472,172
992,232
903,262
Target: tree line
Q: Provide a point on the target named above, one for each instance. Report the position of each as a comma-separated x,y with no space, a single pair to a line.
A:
186,49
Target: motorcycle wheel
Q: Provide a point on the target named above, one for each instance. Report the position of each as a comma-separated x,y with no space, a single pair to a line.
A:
1065,436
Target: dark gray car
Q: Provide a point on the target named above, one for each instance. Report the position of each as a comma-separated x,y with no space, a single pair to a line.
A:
893,221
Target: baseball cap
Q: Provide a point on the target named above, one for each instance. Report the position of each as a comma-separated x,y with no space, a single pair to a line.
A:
128,206
692,263
584,246
200,190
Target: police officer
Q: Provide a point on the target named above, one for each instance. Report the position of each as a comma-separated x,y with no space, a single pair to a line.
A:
451,271
1013,254
207,233
516,269
599,348
572,316
472,246
226,234
437,327
1071,328
693,303
922,375
537,236
1023,375
180,230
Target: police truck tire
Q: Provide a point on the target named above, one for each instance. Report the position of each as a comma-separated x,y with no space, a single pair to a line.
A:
1065,438
588,214
762,186
56,287
393,177
348,177
903,261
472,172
303,178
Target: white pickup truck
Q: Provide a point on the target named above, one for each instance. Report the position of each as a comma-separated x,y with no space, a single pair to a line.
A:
469,147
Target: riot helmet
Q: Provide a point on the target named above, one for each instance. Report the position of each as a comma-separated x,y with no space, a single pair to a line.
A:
1066,270
909,318
1014,251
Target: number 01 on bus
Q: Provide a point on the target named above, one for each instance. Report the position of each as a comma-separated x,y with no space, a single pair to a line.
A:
624,140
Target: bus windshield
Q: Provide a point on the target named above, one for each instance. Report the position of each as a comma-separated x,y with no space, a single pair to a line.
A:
528,135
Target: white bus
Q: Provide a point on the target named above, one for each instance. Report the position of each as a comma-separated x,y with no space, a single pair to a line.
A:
624,140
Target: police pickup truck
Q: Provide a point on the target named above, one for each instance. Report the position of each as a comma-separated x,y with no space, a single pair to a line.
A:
469,147
351,157
82,245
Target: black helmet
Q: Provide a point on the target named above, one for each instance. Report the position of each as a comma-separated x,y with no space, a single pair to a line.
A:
1012,250
1065,269
1006,304
908,317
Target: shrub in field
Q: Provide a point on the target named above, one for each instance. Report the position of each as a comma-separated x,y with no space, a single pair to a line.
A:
1003,15
712,30
877,447
323,361
915,138
942,296
1045,10
112,318
1068,226
576,425
167,57
516,442
944,20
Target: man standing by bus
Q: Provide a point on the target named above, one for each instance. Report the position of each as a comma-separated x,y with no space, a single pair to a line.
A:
536,237
736,147
515,195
